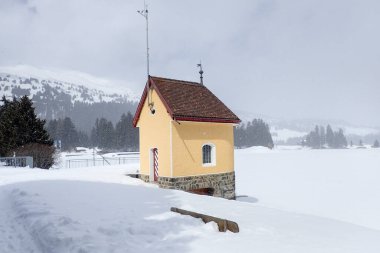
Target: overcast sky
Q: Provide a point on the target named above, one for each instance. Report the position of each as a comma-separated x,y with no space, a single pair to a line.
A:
288,59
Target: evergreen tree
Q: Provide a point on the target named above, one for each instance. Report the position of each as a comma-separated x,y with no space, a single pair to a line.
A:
83,139
103,134
126,136
8,126
52,128
259,134
339,139
239,135
329,136
19,125
313,139
322,134
256,133
121,132
30,125
94,134
376,144
64,130
317,138
69,135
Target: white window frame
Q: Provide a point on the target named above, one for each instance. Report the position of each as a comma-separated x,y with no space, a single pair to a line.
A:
213,155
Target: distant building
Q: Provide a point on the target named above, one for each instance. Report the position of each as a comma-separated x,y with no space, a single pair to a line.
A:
186,138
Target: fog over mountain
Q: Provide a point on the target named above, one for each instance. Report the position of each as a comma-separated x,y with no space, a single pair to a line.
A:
59,94
288,59
84,98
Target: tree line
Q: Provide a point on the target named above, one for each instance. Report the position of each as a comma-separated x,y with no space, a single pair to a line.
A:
322,137
254,133
54,102
22,133
122,136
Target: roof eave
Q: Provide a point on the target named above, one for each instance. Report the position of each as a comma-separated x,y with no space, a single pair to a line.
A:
150,84
140,105
210,120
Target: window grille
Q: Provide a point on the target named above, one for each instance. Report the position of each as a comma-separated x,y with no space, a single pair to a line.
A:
207,154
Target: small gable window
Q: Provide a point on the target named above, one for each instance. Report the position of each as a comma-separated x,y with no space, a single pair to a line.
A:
208,155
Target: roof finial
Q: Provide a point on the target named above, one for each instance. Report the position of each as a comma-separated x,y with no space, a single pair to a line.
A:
200,71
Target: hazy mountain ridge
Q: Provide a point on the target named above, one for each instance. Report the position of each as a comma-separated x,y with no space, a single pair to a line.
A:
84,101
13,85
57,94
290,131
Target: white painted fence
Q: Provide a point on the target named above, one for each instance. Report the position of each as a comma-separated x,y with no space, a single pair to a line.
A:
78,161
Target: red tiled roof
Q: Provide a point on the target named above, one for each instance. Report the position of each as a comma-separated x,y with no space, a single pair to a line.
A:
188,101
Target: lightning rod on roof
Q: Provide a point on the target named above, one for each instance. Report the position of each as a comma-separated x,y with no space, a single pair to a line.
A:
144,13
199,65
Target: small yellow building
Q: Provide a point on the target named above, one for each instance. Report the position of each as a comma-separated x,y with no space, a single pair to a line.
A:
186,138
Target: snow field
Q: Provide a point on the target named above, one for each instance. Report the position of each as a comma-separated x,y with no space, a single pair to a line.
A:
62,216
299,201
337,184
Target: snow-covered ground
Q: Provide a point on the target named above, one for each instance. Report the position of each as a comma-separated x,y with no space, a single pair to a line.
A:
298,201
337,184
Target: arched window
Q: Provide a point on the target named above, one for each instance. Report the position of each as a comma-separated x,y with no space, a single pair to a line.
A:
208,155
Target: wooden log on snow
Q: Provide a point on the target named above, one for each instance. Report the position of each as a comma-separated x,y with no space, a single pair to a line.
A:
223,224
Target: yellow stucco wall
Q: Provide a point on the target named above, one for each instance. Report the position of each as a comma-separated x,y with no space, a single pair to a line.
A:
180,144
155,133
188,139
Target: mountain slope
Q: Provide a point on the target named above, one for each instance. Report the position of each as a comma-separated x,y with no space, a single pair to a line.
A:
57,94
80,86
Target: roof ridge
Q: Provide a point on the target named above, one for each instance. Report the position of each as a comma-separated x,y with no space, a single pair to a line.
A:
177,81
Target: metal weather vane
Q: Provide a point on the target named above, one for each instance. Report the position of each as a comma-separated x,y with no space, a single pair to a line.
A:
199,65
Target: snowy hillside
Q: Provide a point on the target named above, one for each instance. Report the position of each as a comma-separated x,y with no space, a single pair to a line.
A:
58,94
296,201
285,134
81,87
284,130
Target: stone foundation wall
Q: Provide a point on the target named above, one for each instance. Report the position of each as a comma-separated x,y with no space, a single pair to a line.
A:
144,178
223,184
